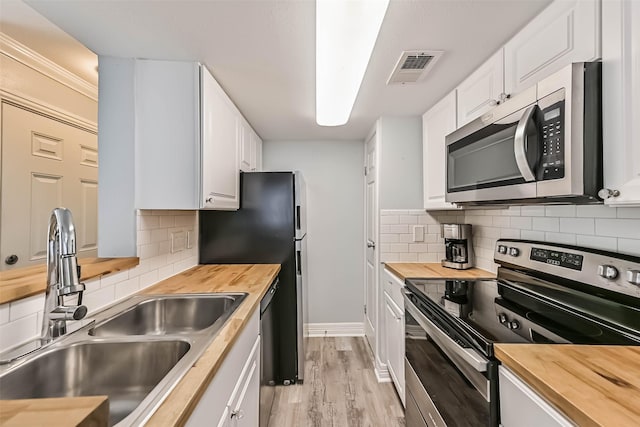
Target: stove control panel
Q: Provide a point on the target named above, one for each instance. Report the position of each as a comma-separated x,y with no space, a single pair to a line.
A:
558,258
633,277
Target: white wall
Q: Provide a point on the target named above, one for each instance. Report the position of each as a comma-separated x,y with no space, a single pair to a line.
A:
21,320
334,174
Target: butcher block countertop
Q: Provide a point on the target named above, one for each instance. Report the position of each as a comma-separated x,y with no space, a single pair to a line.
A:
25,282
592,385
432,270
90,411
254,279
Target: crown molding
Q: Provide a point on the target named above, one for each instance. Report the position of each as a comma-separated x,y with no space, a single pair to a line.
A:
34,60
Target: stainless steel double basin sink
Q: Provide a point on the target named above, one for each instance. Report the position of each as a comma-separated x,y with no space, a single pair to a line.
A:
135,352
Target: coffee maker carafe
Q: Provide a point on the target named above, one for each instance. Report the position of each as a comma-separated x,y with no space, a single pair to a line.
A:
458,246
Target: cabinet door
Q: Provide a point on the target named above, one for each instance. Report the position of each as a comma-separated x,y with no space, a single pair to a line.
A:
258,153
564,32
521,406
437,123
621,100
220,176
394,329
481,90
245,411
245,140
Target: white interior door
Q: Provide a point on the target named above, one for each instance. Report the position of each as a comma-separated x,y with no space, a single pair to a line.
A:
371,238
45,164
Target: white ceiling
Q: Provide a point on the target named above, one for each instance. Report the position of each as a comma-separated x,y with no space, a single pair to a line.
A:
263,51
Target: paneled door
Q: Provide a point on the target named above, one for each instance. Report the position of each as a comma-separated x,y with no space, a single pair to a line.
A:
45,164
371,213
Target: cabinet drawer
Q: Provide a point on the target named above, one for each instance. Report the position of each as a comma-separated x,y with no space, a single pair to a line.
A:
394,286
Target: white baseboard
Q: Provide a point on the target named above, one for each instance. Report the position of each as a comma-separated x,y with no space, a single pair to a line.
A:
382,374
352,329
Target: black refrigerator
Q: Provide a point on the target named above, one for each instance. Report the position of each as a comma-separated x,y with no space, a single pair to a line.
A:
269,228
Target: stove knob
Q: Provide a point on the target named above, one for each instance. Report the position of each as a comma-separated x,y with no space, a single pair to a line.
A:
503,318
607,271
514,324
502,249
514,251
633,277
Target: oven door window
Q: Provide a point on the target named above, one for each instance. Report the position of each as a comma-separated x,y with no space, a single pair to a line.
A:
490,156
456,399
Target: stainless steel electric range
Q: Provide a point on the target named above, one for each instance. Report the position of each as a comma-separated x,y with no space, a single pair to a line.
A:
544,293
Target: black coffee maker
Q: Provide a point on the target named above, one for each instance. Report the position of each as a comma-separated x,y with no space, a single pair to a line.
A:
458,246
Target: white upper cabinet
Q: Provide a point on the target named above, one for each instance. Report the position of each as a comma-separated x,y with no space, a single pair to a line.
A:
621,101
482,90
256,150
437,123
190,139
220,144
250,149
565,32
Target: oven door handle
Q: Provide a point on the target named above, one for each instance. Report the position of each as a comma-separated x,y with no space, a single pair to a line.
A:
520,144
470,356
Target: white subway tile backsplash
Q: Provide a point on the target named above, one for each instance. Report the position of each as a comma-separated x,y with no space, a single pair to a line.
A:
408,219
407,257
18,331
148,222
629,213
434,229
4,314
625,228
427,219
128,287
25,307
532,211
629,246
520,222
114,278
532,235
167,221
561,211
577,225
510,233
389,219
398,247
598,242
418,247
100,298
546,224
501,221
389,238
159,235
596,211
563,238
428,257
394,228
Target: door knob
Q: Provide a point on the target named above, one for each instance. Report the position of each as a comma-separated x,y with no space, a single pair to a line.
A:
371,244
11,259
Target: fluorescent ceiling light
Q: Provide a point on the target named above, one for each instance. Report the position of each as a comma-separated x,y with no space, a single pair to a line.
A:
346,31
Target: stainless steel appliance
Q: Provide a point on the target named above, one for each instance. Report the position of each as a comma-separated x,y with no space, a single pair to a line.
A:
269,228
458,246
544,293
543,145
268,355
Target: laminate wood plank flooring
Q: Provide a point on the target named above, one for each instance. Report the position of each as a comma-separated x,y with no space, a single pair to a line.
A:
339,390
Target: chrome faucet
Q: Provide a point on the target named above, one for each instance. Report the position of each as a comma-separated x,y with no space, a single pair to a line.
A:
63,276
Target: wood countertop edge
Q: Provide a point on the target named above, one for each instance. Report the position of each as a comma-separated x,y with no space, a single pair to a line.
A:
179,405
417,270
580,411
25,282
87,411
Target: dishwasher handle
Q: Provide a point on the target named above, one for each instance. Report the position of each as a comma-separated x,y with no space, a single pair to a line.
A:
266,299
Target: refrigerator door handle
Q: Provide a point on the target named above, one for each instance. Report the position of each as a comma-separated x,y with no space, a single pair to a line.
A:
298,263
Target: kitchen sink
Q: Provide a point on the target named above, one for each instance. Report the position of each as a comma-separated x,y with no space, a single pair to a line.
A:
124,371
134,352
169,315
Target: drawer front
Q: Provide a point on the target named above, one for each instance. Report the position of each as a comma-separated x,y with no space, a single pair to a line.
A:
394,286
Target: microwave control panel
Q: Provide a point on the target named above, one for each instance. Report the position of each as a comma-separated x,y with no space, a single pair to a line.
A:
552,160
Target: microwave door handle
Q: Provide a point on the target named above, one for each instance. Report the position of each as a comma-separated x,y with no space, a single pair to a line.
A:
520,144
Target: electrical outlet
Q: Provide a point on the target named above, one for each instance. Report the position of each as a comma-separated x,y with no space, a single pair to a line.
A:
177,241
418,233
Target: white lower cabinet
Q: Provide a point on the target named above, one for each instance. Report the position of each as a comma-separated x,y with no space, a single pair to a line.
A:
520,406
394,330
233,397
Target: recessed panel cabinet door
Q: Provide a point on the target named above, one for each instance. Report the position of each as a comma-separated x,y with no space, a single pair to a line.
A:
45,164
565,32
220,136
482,90
437,123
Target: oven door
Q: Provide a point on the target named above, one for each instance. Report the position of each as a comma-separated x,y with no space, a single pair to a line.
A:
447,383
496,156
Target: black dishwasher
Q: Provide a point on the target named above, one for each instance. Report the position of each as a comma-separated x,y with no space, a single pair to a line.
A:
268,357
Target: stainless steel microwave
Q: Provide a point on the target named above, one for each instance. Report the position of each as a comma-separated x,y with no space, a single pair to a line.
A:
542,146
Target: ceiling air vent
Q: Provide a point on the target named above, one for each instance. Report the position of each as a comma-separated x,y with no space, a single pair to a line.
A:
413,66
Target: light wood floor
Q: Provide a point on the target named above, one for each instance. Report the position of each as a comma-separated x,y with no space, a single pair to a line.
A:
340,390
